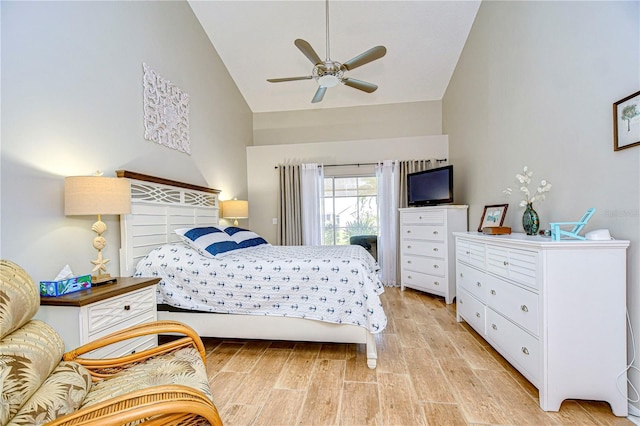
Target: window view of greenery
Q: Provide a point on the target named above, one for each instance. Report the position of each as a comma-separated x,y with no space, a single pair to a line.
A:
350,207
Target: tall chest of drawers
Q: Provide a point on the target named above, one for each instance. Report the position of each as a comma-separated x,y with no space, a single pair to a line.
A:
554,309
427,248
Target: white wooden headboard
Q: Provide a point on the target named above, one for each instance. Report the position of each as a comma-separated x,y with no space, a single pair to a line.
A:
158,207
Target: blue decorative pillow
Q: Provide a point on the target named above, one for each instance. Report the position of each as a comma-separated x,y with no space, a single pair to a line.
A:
208,240
244,238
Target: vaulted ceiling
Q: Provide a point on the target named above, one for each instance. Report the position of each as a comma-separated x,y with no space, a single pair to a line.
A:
255,40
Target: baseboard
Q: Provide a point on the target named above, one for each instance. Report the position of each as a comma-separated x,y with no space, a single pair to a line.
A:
634,414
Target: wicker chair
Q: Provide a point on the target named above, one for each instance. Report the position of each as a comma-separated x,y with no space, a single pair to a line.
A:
166,385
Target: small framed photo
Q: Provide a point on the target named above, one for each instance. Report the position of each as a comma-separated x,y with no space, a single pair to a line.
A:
493,216
626,122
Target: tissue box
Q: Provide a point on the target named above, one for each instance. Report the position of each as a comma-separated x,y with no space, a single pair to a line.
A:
69,285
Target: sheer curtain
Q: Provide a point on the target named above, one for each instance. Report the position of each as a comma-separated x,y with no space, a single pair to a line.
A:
388,176
289,206
392,194
311,187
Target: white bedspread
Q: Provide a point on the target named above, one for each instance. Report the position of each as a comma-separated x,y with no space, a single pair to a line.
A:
337,284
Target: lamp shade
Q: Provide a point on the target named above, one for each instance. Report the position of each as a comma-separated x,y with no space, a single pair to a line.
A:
235,209
91,195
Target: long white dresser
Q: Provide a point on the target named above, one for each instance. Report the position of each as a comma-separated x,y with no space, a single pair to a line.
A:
556,310
427,248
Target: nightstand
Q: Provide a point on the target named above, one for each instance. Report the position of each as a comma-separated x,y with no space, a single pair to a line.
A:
86,315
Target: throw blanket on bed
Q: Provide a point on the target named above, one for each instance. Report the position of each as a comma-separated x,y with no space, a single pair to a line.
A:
336,284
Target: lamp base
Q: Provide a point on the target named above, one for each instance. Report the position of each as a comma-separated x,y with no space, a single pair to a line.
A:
101,279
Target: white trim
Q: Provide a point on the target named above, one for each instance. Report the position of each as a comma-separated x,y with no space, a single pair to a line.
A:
634,414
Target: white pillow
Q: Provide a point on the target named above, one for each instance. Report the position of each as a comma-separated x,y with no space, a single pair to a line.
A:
244,237
208,240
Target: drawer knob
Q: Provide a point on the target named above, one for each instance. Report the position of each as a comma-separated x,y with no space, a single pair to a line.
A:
525,350
408,231
435,232
436,283
409,276
493,292
408,261
461,275
127,307
461,302
435,249
479,284
408,247
420,217
495,327
467,252
436,266
478,314
505,263
524,308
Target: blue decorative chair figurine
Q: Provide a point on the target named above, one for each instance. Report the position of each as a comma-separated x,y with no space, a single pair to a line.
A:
557,233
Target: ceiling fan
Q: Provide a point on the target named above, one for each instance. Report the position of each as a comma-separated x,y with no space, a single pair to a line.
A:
329,73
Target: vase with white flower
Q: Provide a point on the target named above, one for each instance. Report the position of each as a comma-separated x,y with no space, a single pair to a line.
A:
530,218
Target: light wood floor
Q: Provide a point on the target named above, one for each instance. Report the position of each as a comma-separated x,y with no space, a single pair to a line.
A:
431,371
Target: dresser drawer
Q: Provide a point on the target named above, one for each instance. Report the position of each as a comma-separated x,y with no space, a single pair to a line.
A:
470,252
472,280
522,348
424,248
106,314
422,281
425,265
129,321
432,217
515,264
426,232
126,347
472,310
516,303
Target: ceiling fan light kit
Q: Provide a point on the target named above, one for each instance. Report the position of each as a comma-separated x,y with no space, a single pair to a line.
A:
329,73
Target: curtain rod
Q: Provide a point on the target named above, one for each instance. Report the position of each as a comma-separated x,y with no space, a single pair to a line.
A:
439,160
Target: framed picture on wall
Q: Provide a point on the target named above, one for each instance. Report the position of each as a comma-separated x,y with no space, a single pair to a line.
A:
626,122
493,216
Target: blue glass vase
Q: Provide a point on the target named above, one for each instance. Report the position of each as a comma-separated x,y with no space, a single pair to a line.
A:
530,220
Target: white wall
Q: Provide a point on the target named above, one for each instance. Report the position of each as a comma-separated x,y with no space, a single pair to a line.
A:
535,86
344,124
72,104
263,177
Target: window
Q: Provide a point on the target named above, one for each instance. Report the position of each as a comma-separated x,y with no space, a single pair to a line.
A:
350,207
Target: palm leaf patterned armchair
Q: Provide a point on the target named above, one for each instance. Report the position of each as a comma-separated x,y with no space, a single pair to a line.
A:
166,385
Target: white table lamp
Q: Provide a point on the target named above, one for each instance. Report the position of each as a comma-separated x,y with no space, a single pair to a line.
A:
97,195
235,209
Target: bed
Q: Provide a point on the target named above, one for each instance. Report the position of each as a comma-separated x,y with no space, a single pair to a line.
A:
322,294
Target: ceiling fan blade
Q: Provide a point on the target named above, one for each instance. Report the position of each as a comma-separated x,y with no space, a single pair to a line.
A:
366,57
308,51
319,94
360,85
280,80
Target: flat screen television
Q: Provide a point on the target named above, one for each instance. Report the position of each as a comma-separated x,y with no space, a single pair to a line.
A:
430,187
